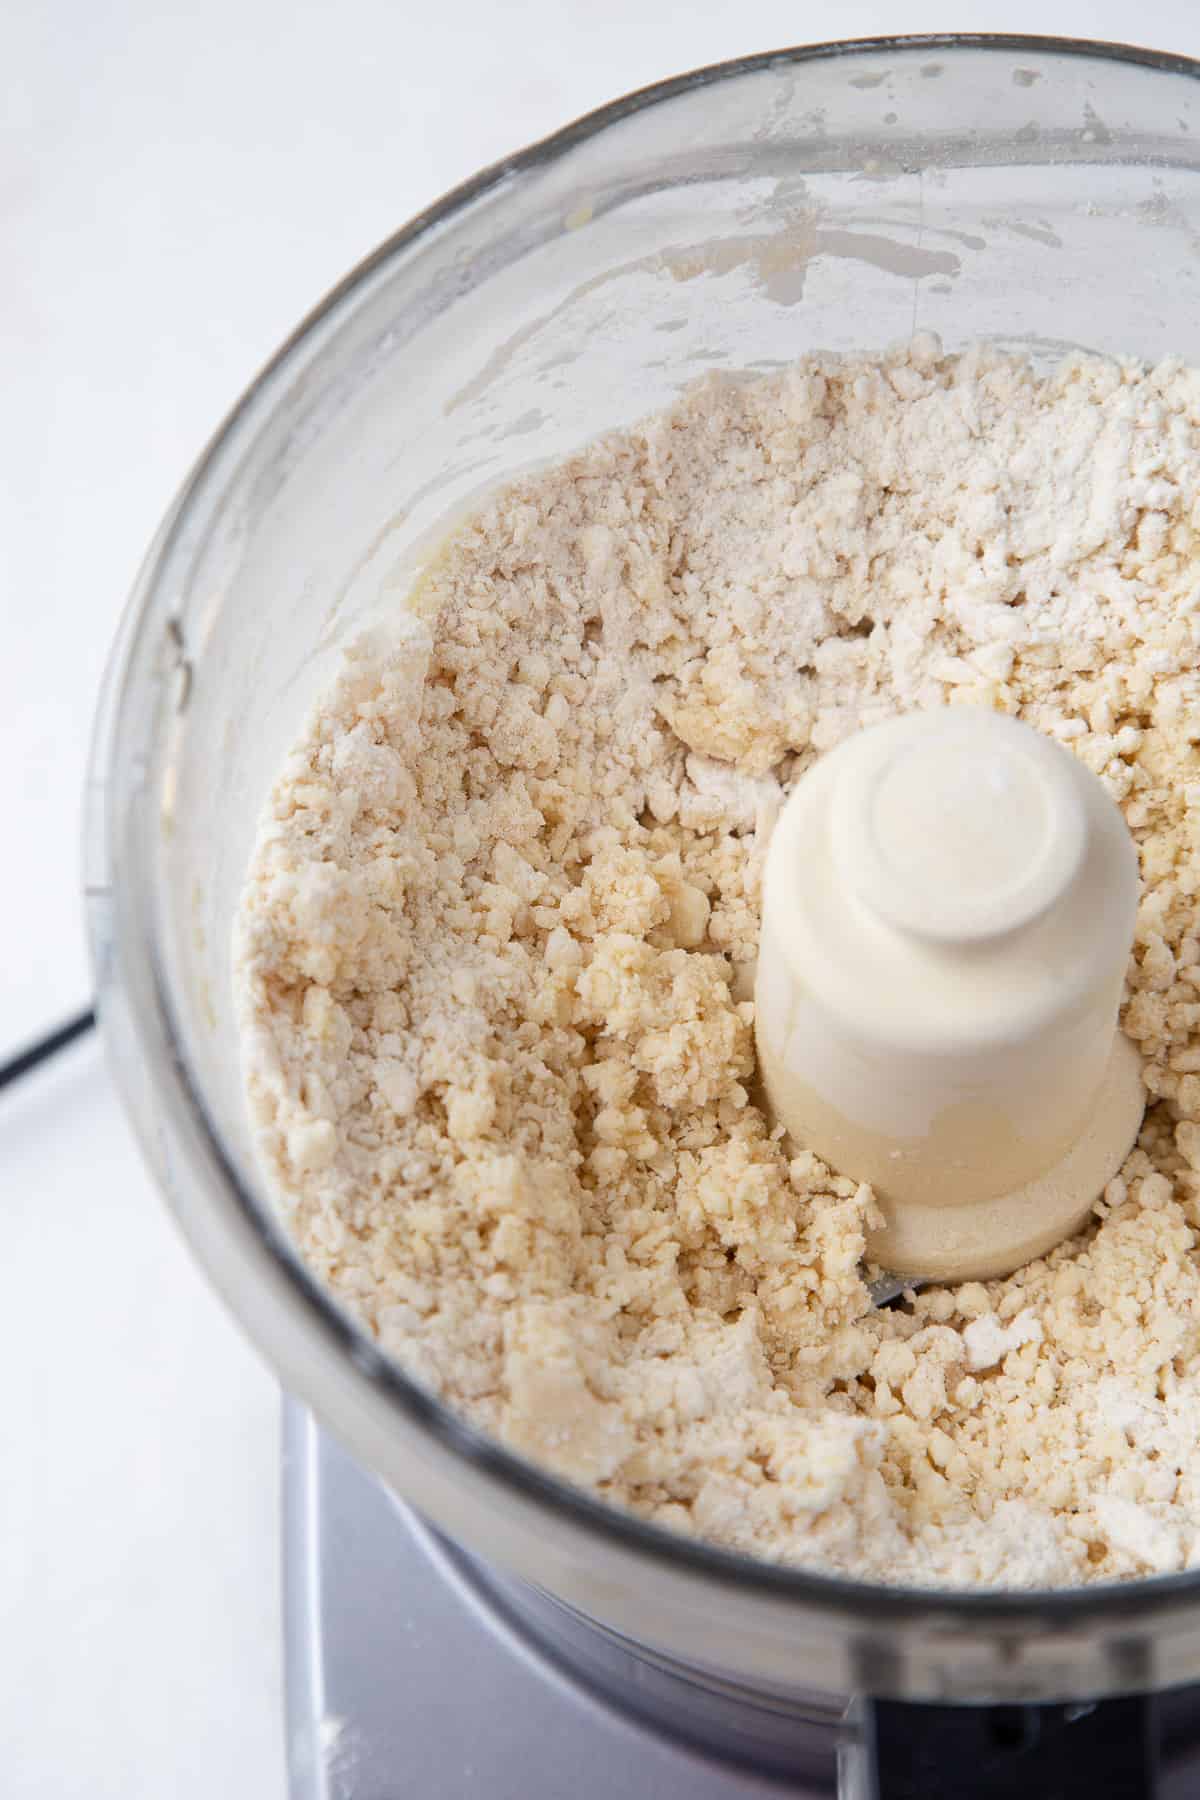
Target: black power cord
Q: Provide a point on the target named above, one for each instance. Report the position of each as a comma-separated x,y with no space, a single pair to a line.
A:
46,1047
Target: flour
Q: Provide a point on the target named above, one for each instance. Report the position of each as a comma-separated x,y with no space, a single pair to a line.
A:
494,941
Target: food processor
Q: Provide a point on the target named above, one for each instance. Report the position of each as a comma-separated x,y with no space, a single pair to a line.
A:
459,1622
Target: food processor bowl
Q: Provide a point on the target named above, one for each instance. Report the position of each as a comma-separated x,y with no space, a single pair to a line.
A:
1037,194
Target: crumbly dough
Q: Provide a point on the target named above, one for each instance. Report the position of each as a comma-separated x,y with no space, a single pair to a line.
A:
495,943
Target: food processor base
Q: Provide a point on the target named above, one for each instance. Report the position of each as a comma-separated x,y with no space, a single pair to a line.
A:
413,1670
404,1680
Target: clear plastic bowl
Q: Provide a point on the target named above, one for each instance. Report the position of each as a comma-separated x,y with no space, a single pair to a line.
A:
1036,193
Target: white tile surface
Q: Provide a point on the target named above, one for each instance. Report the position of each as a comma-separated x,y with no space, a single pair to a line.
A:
138,1504
177,184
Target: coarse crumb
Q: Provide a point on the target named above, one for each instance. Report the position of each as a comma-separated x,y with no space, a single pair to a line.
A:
495,940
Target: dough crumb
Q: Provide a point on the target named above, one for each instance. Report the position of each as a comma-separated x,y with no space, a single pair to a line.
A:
496,946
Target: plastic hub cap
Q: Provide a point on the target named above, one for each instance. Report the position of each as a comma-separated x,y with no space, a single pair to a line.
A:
954,838
948,907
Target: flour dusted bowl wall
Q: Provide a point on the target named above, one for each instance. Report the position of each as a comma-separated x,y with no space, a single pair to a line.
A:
1037,194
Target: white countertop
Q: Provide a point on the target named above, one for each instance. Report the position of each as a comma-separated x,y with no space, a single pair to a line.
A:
177,185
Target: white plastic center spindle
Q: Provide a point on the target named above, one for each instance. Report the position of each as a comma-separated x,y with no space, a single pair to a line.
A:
948,908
